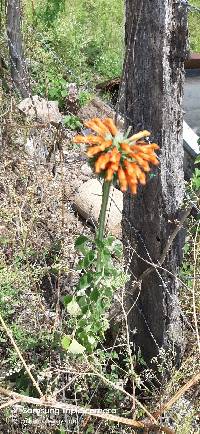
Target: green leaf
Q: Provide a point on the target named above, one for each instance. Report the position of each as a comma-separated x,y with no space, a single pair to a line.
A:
91,340
108,292
98,276
65,342
118,249
82,239
76,348
63,82
100,244
66,299
90,430
73,308
53,92
186,248
196,179
80,265
83,337
62,430
80,243
83,283
25,392
105,256
94,294
110,240
83,302
197,160
82,325
89,258
90,276
64,93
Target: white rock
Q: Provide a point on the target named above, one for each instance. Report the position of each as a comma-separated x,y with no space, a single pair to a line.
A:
40,109
36,149
86,170
88,203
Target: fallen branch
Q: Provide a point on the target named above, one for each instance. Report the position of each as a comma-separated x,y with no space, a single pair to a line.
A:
70,408
9,403
164,408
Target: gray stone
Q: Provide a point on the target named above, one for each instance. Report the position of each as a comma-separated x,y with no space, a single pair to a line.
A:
40,109
87,201
99,108
96,108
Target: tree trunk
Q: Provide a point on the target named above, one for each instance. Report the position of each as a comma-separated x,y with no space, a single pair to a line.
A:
156,35
18,69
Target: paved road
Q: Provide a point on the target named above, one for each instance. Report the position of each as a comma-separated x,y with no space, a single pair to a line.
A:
192,100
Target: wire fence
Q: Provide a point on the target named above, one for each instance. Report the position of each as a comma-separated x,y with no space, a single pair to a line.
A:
28,82
190,7
27,64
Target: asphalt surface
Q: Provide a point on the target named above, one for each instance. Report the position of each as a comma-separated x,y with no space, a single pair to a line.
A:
192,100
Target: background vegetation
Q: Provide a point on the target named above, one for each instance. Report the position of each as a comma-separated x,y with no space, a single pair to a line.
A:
79,41
194,28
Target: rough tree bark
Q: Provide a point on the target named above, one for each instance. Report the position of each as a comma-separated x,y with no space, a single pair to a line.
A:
156,35
18,70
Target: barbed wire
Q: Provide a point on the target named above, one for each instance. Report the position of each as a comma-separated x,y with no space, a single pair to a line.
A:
41,39
191,7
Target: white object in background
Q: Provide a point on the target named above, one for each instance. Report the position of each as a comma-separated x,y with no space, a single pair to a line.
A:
190,140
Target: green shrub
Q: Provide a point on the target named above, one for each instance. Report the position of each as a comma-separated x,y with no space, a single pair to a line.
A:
194,28
87,36
80,41
72,122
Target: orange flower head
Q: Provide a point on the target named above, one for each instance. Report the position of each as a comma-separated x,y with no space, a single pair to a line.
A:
114,156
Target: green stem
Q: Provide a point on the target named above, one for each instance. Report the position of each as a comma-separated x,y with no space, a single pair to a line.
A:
102,219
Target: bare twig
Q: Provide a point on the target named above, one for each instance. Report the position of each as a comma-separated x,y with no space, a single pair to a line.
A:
194,286
129,348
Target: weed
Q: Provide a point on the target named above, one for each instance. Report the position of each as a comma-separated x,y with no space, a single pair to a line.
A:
84,97
72,122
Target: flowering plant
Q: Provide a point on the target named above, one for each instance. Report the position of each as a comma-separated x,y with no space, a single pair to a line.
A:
116,158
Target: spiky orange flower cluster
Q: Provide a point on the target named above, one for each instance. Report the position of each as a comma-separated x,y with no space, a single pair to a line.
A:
113,154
